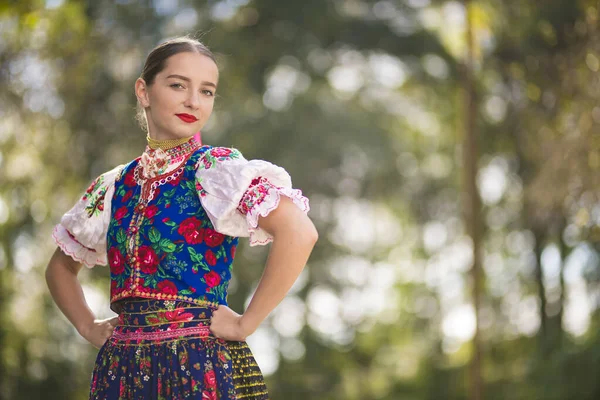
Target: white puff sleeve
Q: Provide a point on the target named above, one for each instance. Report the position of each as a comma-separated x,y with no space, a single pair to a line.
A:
82,231
234,192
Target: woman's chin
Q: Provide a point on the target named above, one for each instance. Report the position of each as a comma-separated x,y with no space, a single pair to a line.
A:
179,133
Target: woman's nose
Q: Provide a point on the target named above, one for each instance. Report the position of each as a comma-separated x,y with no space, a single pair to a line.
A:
193,100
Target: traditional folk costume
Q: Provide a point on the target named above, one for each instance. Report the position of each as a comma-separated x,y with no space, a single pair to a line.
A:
167,224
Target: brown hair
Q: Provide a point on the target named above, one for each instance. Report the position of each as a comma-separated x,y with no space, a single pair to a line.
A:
155,62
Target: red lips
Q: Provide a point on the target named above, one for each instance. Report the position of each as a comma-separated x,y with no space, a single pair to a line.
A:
187,118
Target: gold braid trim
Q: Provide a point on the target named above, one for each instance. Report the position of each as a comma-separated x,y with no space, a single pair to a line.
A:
167,143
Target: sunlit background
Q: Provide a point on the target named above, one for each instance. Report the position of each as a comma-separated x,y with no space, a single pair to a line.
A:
365,103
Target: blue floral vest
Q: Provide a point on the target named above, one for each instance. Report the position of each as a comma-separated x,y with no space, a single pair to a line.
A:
160,242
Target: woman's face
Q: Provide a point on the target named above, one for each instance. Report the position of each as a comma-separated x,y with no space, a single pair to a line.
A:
180,100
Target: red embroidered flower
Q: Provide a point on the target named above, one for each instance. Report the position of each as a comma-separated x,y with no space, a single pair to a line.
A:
166,287
145,363
122,388
92,186
130,179
183,358
115,260
121,212
206,395
200,189
232,252
212,279
176,181
210,258
148,259
178,315
212,237
191,230
210,380
127,195
220,152
151,211
90,189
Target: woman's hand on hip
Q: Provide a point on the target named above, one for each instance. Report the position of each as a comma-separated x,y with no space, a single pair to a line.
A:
227,324
98,332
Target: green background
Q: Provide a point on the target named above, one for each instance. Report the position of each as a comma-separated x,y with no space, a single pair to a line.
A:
363,102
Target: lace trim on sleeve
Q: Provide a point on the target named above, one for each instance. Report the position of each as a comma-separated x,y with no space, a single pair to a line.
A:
70,246
260,199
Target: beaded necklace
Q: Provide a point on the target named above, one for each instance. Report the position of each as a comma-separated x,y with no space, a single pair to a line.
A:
166,143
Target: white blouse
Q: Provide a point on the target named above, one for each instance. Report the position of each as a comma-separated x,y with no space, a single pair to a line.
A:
233,191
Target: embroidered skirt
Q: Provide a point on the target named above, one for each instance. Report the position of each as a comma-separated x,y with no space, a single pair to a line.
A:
164,350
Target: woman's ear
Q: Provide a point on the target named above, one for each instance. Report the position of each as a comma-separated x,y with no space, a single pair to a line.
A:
141,92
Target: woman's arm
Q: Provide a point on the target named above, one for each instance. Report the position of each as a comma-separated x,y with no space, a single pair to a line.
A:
294,237
61,277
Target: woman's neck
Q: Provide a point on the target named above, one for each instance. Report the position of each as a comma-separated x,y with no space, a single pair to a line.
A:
166,144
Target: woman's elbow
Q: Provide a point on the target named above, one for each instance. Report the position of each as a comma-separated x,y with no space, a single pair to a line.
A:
304,229
311,233
61,261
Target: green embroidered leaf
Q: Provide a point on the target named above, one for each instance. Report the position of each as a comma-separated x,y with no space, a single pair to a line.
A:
170,223
167,246
191,185
154,235
170,193
150,281
161,273
218,291
196,257
185,291
121,236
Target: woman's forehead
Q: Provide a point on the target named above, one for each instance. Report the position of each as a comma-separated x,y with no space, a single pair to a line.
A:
194,66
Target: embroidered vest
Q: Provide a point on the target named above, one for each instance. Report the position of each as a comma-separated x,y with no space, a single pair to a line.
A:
160,242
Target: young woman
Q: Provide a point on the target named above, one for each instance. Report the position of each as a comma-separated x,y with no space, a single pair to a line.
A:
167,224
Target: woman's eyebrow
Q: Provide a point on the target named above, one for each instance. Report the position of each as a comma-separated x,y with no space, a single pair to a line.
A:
185,78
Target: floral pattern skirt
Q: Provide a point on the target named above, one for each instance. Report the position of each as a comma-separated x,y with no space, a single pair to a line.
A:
164,349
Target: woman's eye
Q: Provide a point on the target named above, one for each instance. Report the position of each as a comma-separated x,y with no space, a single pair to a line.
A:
177,85
208,92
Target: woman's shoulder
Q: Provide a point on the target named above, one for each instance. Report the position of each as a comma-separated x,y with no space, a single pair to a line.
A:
104,181
113,174
212,156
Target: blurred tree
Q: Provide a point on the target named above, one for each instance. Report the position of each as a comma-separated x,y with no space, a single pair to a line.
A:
360,101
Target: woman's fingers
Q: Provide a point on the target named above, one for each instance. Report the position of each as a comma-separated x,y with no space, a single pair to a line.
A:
224,323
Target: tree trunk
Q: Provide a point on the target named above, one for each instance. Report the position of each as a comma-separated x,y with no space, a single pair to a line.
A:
472,203
539,277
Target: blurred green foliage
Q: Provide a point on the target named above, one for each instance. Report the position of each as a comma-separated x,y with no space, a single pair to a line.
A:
360,102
